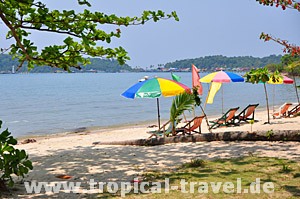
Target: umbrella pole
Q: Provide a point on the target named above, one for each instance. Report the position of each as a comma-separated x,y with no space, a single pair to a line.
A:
203,109
222,101
205,116
158,115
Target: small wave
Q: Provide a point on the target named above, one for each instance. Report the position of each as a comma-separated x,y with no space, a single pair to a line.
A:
17,121
88,120
13,122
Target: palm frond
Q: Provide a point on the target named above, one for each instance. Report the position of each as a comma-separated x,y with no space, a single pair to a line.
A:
181,103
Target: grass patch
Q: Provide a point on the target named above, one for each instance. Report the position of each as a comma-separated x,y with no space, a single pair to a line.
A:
284,174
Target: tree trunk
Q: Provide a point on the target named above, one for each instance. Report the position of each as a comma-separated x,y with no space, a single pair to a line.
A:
285,135
268,111
296,89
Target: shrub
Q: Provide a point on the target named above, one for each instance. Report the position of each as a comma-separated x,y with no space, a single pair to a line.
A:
270,134
194,163
12,161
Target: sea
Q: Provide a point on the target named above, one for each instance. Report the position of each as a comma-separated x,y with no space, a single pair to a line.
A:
51,103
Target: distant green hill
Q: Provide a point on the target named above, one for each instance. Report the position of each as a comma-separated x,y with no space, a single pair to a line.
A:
219,61
112,66
97,64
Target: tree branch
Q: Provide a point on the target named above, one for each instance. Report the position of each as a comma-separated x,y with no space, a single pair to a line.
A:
49,30
14,33
292,4
288,48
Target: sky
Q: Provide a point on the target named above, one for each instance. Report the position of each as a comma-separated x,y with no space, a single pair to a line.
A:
206,28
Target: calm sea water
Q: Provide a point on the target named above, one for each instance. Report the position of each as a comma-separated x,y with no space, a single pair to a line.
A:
32,104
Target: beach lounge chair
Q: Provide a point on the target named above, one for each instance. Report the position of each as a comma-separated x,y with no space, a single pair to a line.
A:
247,113
226,120
294,111
165,129
283,111
191,126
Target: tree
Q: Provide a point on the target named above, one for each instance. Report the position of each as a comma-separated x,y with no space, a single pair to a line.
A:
262,75
292,64
273,67
81,31
292,4
292,49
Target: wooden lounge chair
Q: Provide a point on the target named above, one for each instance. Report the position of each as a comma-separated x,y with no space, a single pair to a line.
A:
226,120
191,126
247,113
164,130
293,111
283,111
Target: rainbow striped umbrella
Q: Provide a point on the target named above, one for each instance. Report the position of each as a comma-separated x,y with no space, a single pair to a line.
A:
154,88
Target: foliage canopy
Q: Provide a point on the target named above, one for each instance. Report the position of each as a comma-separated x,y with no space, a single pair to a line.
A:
81,31
292,4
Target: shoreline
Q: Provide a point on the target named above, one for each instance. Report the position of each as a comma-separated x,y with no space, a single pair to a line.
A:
139,130
88,129
141,124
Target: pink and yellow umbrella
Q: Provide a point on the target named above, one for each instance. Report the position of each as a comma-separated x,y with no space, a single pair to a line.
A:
282,80
217,78
222,77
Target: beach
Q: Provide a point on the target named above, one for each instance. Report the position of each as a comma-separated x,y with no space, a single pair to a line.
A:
74,154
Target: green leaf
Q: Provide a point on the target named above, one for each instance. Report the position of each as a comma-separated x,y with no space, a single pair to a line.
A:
12,141
11,183
5,133
84,2
28,164
22,154
8,148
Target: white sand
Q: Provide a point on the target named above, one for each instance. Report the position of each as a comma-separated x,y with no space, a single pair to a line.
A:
75,155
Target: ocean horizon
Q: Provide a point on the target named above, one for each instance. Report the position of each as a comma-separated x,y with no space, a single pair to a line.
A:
49,103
